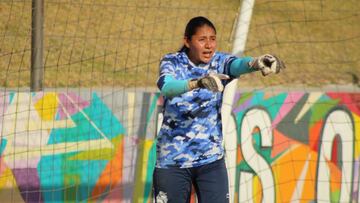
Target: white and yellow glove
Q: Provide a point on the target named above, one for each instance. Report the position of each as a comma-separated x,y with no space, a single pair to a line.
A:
211,82
267,64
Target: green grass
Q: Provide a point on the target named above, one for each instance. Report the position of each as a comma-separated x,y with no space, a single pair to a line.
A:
119,43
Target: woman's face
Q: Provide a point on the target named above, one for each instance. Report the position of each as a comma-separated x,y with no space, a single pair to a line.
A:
202,45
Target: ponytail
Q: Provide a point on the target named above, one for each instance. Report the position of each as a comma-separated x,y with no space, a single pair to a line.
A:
183,49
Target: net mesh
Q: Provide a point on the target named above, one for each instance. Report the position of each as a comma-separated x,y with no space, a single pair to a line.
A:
90,135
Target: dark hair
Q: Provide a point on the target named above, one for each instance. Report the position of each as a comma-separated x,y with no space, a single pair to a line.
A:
192,27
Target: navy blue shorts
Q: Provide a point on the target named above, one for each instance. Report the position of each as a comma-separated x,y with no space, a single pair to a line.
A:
173,185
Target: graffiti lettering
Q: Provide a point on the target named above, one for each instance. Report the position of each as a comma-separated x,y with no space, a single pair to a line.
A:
257,118
338,123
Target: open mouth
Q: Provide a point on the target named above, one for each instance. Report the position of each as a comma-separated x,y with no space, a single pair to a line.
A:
207,54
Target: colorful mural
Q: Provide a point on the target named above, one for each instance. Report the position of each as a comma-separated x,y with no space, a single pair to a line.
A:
67,147
297,146
89,146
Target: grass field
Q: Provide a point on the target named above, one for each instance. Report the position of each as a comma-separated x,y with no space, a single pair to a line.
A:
118,43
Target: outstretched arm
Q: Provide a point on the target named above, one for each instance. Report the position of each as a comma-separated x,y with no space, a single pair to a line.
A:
240,66
267,64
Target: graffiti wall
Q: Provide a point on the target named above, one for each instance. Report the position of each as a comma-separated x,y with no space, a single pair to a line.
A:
298,146
99,146
66,147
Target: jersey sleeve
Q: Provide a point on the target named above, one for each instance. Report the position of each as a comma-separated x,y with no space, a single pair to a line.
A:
235,67
167,68
167,83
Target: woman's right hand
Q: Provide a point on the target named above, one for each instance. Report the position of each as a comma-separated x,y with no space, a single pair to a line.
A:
211,82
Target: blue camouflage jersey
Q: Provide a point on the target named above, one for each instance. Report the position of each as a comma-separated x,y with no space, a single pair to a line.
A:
191,132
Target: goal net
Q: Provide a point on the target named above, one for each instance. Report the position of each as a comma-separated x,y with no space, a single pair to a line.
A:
90,135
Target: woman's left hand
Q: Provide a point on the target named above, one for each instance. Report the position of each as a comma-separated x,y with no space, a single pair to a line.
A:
267,64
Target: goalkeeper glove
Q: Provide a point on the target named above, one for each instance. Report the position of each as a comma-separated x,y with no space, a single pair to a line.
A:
267,64
211,82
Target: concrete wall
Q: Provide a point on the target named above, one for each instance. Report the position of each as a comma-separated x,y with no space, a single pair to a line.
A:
89,145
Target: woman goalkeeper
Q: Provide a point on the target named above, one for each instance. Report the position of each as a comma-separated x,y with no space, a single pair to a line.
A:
189,149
